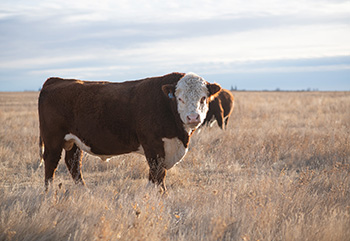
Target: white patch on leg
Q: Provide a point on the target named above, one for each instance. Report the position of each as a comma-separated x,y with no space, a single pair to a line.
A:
174,152
41,161
211,123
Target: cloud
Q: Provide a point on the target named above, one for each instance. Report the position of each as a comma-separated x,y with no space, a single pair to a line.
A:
197,41
169,11
264,44
131,39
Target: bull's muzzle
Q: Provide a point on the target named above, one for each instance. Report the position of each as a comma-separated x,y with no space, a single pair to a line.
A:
193,119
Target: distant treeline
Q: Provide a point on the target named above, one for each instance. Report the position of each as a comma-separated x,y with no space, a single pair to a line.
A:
277,89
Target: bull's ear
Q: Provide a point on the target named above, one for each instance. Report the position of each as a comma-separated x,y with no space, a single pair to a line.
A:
214,89
169,90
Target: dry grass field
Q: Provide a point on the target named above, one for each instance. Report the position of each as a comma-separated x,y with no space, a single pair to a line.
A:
281,171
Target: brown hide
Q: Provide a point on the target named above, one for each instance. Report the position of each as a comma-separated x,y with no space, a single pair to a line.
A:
111,119
220,108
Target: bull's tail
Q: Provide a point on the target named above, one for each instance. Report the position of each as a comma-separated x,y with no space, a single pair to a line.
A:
41,151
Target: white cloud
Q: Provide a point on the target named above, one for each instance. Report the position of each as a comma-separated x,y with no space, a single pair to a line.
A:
97,73
97,39
170,11
283,43
42,61
296,42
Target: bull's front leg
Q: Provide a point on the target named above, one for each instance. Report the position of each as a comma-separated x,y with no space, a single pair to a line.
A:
157,172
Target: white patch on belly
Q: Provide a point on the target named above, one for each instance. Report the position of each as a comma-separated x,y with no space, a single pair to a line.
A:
174,151
73,138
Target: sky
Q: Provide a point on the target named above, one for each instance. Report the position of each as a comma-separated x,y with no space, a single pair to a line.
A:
248,44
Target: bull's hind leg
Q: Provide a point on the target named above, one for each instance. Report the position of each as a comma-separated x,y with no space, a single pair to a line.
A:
51,159
73,161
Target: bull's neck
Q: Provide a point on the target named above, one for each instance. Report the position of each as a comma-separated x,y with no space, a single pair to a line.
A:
186,135
185,138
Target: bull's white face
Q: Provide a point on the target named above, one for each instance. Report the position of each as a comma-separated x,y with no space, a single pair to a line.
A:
192,100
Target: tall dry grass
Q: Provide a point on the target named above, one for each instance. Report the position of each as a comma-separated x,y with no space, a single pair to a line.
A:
280,172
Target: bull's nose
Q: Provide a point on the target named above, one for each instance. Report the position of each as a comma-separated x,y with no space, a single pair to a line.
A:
193,119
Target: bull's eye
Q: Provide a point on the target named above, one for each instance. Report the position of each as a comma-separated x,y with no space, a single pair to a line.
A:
181,100
203,99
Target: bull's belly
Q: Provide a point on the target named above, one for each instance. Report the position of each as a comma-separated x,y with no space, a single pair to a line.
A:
173,148
71,139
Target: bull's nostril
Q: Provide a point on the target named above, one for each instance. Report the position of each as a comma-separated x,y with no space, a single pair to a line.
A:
193,118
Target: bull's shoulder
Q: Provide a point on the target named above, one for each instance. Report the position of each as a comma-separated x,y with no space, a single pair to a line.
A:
149,90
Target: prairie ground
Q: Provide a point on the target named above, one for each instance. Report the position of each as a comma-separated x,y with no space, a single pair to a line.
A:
279,172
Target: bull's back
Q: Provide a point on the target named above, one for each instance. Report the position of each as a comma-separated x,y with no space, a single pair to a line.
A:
82,101
58,97
95,112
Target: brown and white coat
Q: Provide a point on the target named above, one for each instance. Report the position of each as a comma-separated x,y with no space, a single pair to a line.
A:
153,116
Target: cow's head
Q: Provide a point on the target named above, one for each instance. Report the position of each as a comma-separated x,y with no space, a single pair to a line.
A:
192,94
